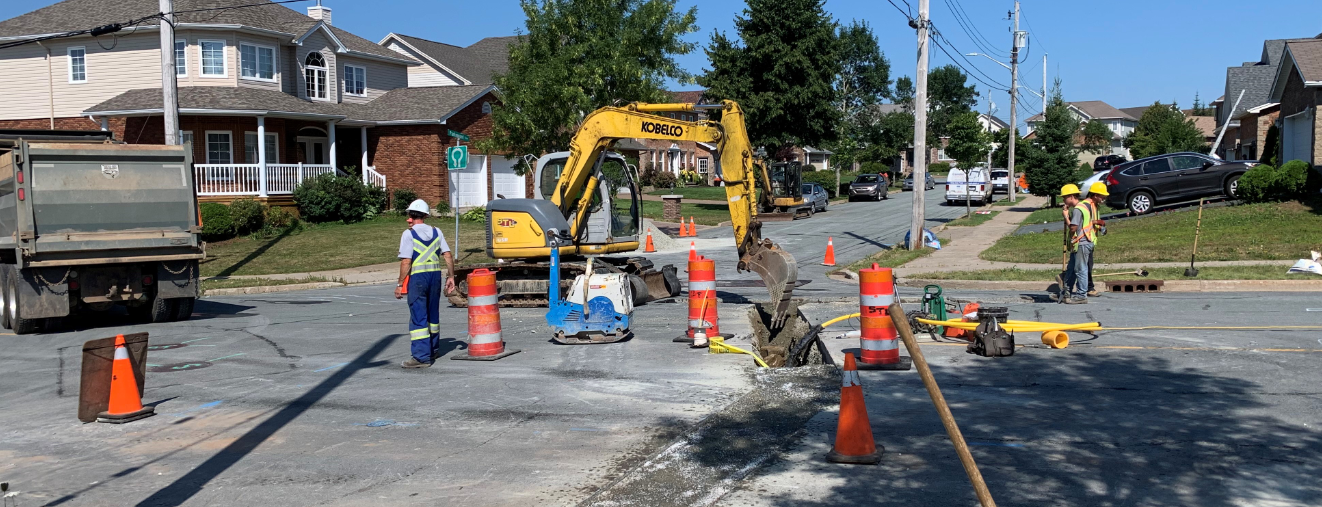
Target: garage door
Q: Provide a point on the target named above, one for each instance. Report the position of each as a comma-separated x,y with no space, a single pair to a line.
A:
504,181
1296,140
468,187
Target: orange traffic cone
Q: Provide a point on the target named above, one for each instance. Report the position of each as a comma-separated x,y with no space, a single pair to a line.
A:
693,227
650,247
693,252
125,401
683,228
967,314
830,252
853,433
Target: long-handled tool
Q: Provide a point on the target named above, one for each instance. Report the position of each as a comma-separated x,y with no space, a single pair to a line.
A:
1197,230
1142,273
1061,291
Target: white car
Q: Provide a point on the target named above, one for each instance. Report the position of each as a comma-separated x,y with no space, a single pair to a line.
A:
977,190
1000,180
1096,177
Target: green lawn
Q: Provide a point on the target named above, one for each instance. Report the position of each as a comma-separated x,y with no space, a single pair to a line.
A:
707,193
1006,200
1049,275
972,220
894,257
322,247
705,214
1269,231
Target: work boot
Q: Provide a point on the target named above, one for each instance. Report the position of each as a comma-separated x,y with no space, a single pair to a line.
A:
1076,301
1093,293
414,363
1054,297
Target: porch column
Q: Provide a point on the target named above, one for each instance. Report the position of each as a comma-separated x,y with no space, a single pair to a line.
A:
261,155
330,142
363,142
105,124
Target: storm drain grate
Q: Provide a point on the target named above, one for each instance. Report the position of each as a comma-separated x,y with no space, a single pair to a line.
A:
1136,286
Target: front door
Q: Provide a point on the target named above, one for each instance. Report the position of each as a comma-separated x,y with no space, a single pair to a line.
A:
313,150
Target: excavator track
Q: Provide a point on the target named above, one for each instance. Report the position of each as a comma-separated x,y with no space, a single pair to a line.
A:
524,284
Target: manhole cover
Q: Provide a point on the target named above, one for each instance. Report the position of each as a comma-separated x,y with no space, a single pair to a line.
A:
165,368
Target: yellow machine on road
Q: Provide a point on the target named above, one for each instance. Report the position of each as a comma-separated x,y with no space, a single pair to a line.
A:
580,204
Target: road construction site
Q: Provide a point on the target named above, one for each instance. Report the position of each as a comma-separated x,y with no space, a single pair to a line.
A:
296,398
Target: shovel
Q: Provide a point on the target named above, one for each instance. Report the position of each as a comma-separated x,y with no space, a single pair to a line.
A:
1141,273
1197,230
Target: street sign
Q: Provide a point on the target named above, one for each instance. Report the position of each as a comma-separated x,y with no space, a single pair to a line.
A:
456,157
457,135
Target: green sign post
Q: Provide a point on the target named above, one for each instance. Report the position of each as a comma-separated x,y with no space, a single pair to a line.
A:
457,157
457,135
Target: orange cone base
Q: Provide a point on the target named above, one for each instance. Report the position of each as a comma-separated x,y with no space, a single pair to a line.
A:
905,364
684,338
107,417
492,357
866,459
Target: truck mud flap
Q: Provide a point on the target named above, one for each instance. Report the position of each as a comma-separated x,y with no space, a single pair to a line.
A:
42,292
176,279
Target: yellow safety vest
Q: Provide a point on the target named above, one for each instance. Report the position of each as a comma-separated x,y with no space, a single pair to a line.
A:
1096,229
426,258
1087,228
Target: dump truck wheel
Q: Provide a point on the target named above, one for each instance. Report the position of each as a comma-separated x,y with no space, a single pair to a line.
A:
183,308
18,324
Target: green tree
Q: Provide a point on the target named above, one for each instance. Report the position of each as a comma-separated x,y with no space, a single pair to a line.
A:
888,136
1022,150
948,96
863,82
1054,157
578,56
1164,129
904,92
969,142
1096,138
781,70
1200,108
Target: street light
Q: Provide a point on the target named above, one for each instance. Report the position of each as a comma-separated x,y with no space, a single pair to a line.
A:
998,62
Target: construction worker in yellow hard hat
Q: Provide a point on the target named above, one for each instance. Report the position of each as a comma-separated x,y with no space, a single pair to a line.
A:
1070,194
1083,224
1096,196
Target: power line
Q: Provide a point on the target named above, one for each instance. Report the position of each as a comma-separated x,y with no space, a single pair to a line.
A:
902,11
115,27
939,37
1030,28
971,29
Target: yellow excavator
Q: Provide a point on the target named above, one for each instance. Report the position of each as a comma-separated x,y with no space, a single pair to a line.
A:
782,192
579,203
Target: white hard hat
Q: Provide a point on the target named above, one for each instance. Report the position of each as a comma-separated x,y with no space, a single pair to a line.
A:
420,206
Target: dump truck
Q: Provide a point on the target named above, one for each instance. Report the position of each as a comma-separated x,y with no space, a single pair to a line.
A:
88,223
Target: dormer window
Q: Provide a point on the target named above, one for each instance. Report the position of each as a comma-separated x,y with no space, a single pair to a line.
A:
314,73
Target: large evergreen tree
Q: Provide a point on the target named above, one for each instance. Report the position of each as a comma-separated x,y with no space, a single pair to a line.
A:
578,56
781,70
1054,157
1164,129
863,82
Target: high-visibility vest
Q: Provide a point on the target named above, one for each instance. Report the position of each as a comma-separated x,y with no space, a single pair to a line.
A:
426,254
1086,227
1096,229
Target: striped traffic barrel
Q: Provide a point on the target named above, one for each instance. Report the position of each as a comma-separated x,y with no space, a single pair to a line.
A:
880,344
702,297
483,314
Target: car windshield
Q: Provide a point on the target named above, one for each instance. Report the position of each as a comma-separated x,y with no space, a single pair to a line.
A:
1000,174
807,189
866,178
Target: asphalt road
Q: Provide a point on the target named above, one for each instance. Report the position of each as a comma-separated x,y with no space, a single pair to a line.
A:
295,399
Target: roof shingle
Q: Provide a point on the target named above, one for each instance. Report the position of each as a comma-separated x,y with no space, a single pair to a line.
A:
400,104
477,63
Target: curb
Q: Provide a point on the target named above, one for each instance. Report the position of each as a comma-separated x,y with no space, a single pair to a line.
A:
264,289
1170,286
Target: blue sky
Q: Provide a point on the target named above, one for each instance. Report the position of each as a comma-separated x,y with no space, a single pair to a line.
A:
1125,52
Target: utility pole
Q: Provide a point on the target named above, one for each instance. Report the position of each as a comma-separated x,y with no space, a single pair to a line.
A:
1014,81
1044,81
919,131
169,80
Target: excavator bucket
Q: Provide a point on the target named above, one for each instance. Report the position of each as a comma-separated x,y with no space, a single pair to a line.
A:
779,273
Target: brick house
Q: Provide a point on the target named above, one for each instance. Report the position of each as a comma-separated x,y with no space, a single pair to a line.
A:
1246,126
319,98
1297,89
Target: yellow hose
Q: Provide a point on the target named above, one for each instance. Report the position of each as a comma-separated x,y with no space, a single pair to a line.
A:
1030,326
717,345
841,318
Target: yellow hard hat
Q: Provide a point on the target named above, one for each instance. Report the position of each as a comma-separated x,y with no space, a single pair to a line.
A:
1069,189
1098,188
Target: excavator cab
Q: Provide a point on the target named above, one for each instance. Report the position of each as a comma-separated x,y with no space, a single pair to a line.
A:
613,217
782,192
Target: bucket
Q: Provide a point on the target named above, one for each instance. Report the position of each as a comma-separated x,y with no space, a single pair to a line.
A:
1056,339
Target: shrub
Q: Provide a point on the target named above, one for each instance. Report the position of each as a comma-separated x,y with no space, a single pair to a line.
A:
329,198
216,222
1264,183
280,218
1255,185
938,167
1292,179
247,215
824,178
403,197
442,208
870,168
659,179
477,214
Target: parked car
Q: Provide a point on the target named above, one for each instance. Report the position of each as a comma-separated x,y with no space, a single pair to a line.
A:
1107,162
930,183
815,196
969,186
868,186
1000,180
1096,177
1142,184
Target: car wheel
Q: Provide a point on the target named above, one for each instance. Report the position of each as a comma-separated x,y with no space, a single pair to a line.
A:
811,210
1140,202
1232,187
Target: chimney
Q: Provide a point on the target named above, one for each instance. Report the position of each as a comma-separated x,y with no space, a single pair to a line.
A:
320,13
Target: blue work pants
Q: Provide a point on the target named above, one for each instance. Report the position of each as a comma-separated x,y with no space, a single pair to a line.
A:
424,300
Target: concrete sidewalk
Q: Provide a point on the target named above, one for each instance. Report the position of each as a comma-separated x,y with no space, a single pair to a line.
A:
967,242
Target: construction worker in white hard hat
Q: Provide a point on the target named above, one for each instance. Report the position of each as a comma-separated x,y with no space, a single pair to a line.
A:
421,249
1070,196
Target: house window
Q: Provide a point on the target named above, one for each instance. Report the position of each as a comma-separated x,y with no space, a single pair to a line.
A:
314,72
219,148
213,58
250,148
257,62
355,80
486,108
702,165
941,154
78,65
181,57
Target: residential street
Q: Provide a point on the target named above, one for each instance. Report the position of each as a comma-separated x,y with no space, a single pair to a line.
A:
296,398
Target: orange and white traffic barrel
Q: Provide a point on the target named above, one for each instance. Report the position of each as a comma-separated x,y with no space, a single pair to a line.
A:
484,339
702,301
879,341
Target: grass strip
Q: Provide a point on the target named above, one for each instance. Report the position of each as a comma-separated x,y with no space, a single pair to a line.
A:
894,257
972,220
235,283
1049,275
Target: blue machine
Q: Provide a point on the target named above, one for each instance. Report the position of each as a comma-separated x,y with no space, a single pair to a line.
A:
571,325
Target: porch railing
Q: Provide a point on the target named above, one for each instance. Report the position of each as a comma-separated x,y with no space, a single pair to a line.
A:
249,179
371,177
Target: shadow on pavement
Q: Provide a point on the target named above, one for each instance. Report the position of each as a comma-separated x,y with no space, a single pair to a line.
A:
191,483
1079,429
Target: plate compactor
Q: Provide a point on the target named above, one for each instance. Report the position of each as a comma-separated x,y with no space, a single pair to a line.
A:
583,318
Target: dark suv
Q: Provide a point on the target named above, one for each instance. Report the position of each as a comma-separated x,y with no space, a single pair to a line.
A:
1106,162
1142,184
